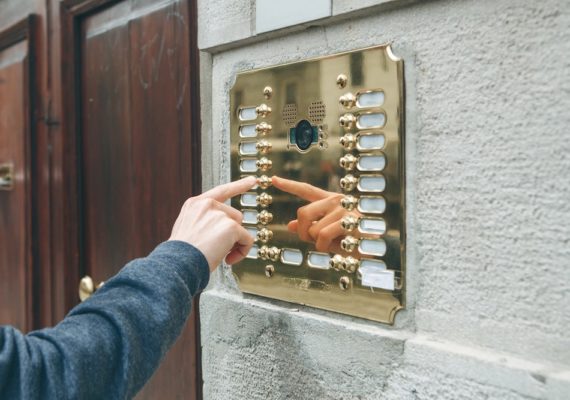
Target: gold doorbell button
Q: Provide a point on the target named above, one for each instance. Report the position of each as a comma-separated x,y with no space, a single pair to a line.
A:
348,141
348,183
264,164
348,100
348,162
347,121
264,182
264,217
263,110
264,200
263,128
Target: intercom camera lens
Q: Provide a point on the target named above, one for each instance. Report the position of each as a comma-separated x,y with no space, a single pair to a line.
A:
304,134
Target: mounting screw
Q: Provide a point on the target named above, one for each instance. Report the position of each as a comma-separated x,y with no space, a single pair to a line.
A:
269,270
341,81
267,92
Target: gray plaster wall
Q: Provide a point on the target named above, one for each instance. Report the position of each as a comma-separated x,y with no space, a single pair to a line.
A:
488,196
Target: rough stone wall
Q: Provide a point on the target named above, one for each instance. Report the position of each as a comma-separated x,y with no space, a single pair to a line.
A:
488,196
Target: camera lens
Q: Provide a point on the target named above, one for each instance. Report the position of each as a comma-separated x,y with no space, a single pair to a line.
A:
304,134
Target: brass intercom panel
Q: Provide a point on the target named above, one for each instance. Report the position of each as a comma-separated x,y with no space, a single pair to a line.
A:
325,137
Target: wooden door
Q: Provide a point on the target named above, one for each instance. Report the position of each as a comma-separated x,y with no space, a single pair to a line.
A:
135,117
16,236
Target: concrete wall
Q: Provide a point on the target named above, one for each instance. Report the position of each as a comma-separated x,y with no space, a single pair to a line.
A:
488,164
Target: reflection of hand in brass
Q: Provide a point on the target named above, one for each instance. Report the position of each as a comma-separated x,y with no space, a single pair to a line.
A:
319,221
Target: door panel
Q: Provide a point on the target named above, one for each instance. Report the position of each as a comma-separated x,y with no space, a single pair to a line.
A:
136,157
15,217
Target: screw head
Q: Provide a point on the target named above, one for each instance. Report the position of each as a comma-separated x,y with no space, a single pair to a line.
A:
344,282
267,92
269,270
341,81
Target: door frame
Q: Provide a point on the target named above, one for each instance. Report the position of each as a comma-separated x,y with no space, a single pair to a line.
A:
72,12
25,29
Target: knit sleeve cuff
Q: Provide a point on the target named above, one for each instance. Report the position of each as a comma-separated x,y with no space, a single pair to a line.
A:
187,260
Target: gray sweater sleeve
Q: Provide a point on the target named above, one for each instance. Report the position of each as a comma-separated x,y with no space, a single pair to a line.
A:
108,346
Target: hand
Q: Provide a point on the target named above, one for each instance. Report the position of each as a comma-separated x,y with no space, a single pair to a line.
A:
213,227
319,221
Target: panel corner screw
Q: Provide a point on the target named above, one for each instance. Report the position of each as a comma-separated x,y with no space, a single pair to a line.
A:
267,92
341,81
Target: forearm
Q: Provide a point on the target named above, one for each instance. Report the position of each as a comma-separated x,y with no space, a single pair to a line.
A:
108,346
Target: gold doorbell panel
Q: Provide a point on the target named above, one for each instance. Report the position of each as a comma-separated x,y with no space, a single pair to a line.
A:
325,139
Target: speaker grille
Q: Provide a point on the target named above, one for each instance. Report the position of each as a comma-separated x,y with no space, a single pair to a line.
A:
317,111
290,114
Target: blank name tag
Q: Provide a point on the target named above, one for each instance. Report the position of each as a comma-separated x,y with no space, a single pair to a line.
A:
379,279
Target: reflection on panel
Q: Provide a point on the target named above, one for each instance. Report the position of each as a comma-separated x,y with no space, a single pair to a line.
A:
325,139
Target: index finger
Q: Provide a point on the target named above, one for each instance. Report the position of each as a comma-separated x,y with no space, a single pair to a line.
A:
300,189
225,192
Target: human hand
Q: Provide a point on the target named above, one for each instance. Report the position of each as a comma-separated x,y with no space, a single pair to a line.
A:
318,222
213,227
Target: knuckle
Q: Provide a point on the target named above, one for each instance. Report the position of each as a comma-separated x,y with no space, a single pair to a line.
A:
207,203
314,232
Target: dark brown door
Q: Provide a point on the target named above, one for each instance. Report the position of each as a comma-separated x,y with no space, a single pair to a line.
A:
135,114
16,252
